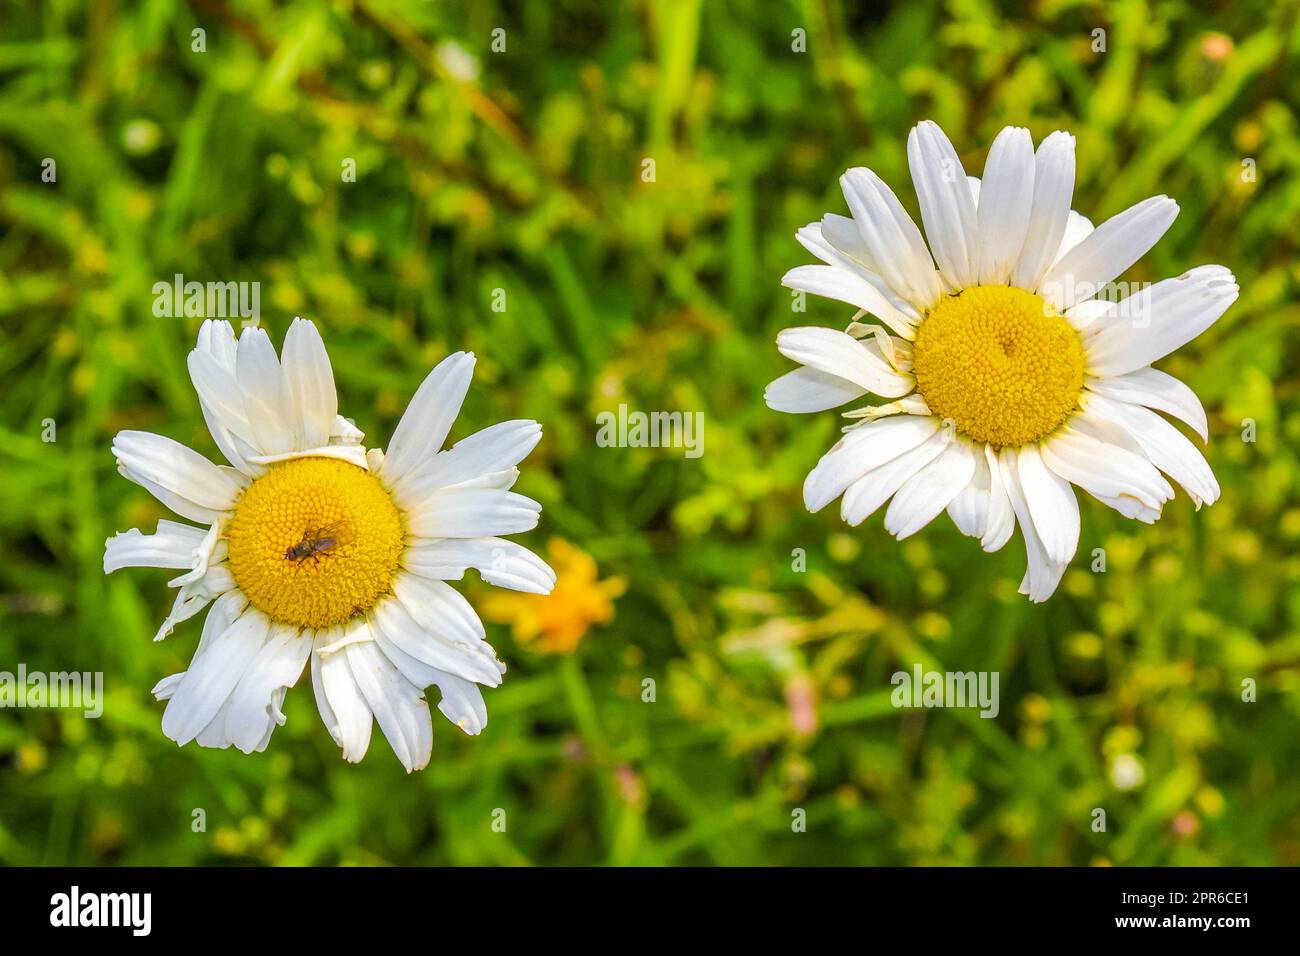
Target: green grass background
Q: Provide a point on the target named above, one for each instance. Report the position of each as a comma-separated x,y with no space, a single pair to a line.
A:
522,171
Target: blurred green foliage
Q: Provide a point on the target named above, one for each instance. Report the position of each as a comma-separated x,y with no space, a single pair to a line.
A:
522,170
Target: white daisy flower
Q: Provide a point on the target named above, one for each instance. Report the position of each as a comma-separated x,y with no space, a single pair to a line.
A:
1010,372
311,546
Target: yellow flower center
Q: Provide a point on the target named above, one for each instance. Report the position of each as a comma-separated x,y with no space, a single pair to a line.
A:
999,363
314,542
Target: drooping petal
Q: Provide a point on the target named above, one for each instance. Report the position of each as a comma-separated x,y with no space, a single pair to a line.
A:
398,705
213,675
342,706
1052,505
462,701
1043,575
1002,517
254,707
969,510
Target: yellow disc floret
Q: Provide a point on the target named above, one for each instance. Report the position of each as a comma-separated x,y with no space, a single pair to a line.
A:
314,542
1000,364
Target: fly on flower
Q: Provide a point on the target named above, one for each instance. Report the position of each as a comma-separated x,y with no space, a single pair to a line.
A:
1009,375
312,548
318,542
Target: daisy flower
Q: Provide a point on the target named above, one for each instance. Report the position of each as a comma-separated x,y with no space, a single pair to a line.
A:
1011,369
308,546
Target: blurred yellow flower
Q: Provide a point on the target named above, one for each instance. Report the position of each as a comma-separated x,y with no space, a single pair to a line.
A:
555,623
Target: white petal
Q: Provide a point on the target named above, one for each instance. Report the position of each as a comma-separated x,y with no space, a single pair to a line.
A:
195,595
225,611
838,240
164,689
1007,196
225,407
895,243
1053,191
810,390
838,353
1077,229
864,448
217,338
171,546
1155,321
462,702
353,454
253,707
1107,472
494,449
1052,505
182,471
1042,575
1167,447
946,206
393,620
342,706
1087,317
873,489
433,623
345,432
398,705
1002,518
429,417
913,404
467,512
212,676
309,379
1155,389
1107,252
969,510
844,286
920,499
266,396
499,561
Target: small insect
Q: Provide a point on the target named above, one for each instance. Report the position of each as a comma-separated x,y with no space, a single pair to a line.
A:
318,542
